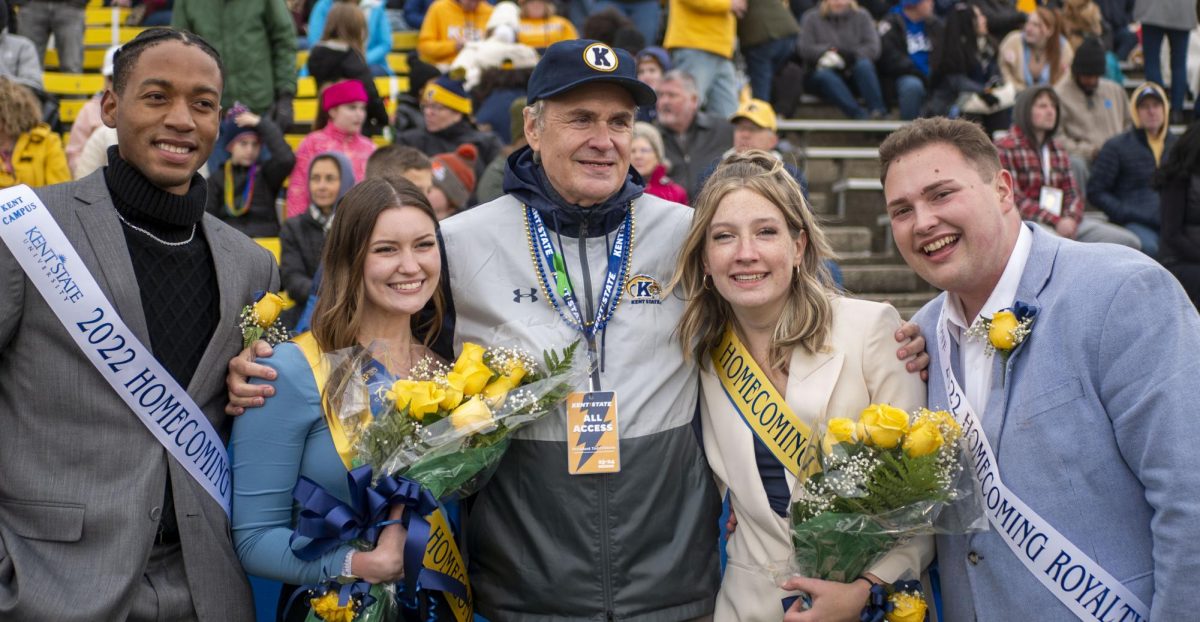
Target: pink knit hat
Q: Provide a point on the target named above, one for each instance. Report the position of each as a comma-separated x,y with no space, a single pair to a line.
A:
344,92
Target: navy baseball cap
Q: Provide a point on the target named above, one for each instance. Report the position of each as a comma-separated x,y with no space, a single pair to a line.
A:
570,64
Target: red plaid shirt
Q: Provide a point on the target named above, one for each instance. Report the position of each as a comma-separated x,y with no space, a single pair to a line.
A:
1021,158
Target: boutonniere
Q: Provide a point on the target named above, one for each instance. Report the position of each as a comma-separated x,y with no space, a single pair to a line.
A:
1004,331
260,320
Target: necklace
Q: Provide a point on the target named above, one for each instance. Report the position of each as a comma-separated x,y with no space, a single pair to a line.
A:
230,207
155,237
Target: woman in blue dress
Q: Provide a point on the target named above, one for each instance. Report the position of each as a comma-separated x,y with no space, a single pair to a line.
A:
370,298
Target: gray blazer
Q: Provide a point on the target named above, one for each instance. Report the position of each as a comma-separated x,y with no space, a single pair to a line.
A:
83,479
1094,426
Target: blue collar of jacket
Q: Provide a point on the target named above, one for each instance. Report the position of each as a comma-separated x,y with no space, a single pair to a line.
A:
526,181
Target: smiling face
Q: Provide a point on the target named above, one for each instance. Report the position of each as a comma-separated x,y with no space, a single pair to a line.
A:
1035,31
751,255
402,266
583,140
168,114
952,226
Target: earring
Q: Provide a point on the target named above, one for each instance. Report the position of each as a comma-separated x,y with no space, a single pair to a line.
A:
704,282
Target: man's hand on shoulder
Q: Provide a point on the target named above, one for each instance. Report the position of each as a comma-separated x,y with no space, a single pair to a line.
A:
242,368
912,349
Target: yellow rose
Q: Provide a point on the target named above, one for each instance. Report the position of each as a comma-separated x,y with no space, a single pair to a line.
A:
472,416
909,608
422,397
1001,332
838,430
455,382
326,607
267,309
474,372
882,425
923,439
950,428
498,388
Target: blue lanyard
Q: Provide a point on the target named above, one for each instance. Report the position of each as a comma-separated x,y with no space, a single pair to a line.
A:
552,268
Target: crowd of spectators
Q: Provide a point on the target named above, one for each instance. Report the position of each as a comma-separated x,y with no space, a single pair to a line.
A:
1044,77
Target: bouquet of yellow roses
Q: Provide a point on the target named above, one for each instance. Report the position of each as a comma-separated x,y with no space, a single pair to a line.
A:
446,427
883,479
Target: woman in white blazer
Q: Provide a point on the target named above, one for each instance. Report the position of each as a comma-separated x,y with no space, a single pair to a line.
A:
754,261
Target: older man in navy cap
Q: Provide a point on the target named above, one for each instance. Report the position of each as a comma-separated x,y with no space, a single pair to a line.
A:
636,537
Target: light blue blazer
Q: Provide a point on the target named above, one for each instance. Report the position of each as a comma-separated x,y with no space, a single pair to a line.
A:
1096,428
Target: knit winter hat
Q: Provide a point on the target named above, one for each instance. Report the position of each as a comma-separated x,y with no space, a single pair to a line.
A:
448,93
454,174
344,92
1089,58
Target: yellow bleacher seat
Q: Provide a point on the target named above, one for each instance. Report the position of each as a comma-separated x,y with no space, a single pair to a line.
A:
103,36
68,109
80,84
403,41
304,111
398,63
103,15
306,87
294,140
92,4
272,244
93,58
301,59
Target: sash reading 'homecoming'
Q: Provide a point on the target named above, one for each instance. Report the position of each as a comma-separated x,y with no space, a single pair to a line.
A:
762,407
58,273
442,562
1075,579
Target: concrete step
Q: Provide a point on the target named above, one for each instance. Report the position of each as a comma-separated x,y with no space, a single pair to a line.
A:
906,304
849,241
822,172
883,278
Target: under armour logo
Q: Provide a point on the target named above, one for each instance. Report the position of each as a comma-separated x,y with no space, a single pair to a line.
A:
518,295
600,57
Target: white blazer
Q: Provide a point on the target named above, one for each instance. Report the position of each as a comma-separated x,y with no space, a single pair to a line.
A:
857,369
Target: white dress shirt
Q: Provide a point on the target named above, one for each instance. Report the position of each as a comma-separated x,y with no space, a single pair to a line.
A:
976,366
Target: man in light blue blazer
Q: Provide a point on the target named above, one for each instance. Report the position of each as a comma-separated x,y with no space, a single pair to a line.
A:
1091,417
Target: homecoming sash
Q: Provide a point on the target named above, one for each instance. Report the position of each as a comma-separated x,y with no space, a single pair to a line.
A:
1075,579
762,407
54,267
432,560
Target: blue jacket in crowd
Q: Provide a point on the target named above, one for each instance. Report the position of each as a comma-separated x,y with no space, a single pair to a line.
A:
1122,176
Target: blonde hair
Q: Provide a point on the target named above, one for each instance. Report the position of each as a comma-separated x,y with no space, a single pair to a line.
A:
644,130
807,314
19,109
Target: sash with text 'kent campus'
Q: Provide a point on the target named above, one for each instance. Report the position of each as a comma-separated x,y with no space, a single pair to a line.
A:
60,276
1075,579
762,407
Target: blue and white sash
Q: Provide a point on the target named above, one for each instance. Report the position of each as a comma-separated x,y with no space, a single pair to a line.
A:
60,276
1075,579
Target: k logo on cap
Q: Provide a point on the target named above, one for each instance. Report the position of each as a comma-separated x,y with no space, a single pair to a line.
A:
600,57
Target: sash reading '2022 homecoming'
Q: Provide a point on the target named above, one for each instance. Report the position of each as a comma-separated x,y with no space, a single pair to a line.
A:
1075,579
762,407
60,276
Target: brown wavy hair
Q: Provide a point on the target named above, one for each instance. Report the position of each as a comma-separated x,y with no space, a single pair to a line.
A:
807,315
336,316
345,23
19,109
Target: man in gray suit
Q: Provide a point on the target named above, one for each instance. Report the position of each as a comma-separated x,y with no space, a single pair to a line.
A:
97,520
1081,428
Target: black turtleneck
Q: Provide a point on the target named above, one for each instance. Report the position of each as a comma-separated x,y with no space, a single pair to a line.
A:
178,284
